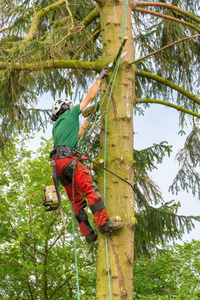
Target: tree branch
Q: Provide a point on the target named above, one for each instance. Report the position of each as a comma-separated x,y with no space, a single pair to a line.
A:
58,237
59,287
170,84
165,47
169,6
91,17
179,108
38,16
85,22
195,27
101,2
54,63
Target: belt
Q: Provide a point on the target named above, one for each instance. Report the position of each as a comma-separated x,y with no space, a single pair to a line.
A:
62,152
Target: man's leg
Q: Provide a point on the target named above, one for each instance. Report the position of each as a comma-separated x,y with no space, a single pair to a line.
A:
78,205
85,183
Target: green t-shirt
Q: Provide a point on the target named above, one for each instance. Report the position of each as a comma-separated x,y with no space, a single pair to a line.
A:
65,129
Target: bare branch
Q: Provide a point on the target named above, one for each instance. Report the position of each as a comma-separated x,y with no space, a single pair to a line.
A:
165,47
195,27
169,6
170,84
179,108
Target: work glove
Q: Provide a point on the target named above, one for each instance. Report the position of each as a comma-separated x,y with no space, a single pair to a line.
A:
103,74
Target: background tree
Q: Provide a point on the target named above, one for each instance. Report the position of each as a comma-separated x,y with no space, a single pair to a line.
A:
171,274
39,41
37,259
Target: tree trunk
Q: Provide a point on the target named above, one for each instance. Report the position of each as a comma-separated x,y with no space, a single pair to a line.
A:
119,158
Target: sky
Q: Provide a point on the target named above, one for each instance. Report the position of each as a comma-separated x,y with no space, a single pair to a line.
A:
158,124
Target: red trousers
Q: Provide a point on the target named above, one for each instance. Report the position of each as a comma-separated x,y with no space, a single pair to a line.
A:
83,186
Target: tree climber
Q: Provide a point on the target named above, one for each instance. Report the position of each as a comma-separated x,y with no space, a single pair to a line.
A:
71,172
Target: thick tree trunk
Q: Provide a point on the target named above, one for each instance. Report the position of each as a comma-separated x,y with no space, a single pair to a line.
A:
119,153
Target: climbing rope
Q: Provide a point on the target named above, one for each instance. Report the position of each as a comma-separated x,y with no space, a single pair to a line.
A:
74,239
75,254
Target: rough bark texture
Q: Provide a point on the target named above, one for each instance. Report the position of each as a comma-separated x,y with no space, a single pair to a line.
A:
119,195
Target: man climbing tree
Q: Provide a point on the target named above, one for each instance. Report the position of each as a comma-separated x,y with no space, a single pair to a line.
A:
71,172
41,40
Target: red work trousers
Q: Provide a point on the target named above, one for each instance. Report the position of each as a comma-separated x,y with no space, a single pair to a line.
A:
83,185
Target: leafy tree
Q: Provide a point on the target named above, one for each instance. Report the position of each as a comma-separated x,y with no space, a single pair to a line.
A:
41,40
172,274
37,248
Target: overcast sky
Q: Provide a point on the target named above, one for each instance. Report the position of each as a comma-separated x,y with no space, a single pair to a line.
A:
158,124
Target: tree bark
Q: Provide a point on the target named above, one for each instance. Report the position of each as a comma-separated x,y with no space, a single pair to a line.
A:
119,158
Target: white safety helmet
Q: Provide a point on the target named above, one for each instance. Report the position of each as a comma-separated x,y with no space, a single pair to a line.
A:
57,106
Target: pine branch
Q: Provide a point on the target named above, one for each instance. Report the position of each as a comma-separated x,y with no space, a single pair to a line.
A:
195,27
54,63
165,47
85,22
170,84
171,7
188,177
179,108
91,17
39,15
6,28
93,38
101,2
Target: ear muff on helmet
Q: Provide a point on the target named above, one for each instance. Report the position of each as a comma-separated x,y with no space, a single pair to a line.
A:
65,106
54,117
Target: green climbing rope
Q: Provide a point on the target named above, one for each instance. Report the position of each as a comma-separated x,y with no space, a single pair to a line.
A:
75,254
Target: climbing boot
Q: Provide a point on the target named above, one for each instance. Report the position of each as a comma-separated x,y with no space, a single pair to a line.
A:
91,237
110,226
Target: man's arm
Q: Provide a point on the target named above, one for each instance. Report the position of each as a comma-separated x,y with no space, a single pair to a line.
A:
82,128
94,90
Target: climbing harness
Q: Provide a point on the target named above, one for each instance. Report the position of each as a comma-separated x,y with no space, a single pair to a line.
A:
107,170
